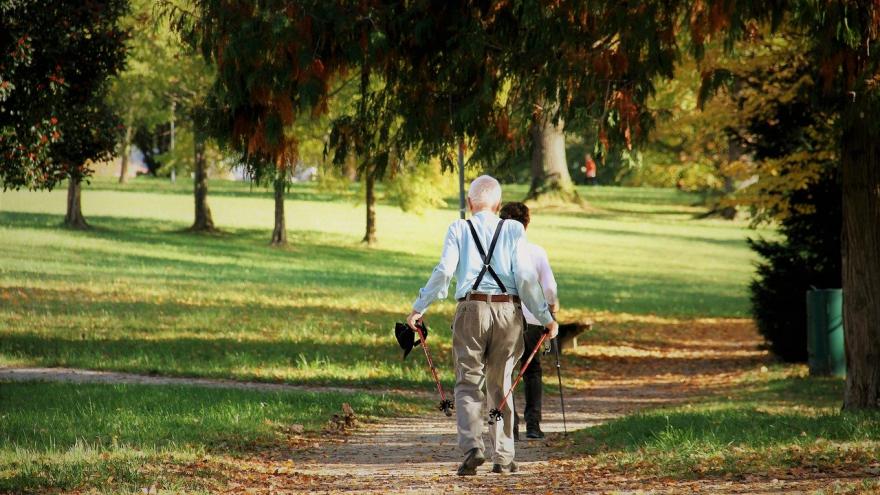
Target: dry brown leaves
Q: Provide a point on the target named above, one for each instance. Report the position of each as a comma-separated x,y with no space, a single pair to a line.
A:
652,361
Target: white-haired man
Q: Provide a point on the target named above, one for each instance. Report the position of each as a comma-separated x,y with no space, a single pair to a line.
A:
494,273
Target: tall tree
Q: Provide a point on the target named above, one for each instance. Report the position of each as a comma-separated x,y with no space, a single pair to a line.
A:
362,134
138,92
362,129
549,165
54,117
455,67
166,81
189,84
839,35
274,61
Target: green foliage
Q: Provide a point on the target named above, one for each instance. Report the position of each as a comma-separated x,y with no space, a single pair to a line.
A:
164,81
182,157
422,188
275,62
689,145
55,63
807,258
139,93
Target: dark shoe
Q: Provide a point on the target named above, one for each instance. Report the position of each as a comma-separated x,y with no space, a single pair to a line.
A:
534,431
500,468
472,461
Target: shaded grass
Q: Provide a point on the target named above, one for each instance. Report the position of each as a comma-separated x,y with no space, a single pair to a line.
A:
66,436
781,425
136,294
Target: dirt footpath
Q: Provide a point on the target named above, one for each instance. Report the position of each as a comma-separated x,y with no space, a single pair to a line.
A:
419,455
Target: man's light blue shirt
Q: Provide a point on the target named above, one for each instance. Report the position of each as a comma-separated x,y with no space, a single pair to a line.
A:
510,260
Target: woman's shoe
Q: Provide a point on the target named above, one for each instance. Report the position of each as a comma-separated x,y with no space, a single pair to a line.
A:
533,430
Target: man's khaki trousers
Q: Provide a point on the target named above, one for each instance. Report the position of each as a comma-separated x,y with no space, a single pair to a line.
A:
487,341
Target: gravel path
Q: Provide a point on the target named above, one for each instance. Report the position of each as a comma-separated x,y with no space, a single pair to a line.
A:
419,454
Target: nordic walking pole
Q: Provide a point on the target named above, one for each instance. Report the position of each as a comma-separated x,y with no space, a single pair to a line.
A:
445,404
495,414
555,344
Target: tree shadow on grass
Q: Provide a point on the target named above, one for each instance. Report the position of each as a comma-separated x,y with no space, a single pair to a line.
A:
303,343
239,256
299,361
151,249
654,237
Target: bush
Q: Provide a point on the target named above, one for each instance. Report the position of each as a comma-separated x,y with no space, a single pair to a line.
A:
807,258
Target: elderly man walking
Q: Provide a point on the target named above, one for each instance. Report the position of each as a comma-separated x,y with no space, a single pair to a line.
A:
494,274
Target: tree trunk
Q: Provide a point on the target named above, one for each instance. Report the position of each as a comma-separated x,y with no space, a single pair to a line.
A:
74,218
550,176
279,234
860,156
126,147
204,222
370,182
350,169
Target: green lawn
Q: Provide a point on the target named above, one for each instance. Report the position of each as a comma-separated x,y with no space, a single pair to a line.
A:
65,436
137,294
781,424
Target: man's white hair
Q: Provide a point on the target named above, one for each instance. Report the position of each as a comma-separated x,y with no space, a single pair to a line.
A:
485,192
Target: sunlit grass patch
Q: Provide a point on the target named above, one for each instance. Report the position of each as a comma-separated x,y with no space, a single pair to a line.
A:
64,436
778,423
137,294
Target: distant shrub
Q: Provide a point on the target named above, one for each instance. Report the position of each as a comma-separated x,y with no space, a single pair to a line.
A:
808,257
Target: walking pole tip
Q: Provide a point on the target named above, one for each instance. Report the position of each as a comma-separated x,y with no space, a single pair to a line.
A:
447,406
494,415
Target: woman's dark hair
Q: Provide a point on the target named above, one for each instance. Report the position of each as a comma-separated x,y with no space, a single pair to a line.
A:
516,211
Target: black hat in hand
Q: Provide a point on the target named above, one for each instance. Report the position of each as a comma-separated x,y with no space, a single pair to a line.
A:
406,336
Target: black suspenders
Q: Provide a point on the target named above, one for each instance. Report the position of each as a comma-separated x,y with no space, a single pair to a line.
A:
487,258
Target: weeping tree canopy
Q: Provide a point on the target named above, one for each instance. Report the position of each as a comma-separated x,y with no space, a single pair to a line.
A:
275,60
481,72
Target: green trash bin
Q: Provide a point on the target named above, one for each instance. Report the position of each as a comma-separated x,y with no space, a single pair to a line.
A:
825,332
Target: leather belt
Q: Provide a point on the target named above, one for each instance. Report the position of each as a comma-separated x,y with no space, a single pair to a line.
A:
490,298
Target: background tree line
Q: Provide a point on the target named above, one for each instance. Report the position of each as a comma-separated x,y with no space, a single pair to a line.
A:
499,81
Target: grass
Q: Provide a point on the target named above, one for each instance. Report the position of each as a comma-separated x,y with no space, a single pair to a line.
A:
137,294
784,424
67,436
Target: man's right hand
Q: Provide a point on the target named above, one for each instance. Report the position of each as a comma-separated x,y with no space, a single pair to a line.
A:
413,319
553,328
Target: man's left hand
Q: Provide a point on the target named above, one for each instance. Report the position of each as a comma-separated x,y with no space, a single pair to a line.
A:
413,319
